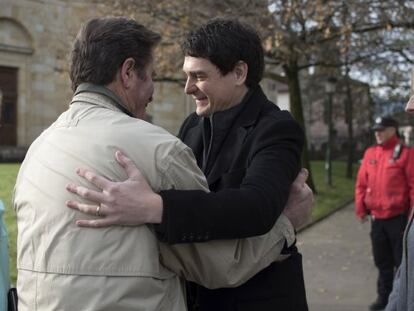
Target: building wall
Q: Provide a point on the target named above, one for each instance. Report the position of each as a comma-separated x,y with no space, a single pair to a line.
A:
277,92
283,101
36,37
317,127
170,106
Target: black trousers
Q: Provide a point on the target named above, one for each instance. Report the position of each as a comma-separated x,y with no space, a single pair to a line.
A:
386,238
278,287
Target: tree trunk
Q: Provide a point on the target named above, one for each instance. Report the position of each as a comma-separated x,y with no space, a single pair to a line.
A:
292,73
349,118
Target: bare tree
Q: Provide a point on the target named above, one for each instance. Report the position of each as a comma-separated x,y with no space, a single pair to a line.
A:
336,35
355,37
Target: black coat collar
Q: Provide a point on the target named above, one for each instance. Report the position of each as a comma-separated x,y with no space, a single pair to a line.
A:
233,142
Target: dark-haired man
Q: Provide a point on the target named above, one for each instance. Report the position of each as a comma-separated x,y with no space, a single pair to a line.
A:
250,152
124,268
385,192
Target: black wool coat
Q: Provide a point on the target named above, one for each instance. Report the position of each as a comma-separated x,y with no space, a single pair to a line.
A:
251,166
250,172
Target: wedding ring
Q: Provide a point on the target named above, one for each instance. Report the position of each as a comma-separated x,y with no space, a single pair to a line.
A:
98,209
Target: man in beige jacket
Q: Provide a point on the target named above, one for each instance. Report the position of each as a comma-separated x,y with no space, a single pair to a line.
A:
63,267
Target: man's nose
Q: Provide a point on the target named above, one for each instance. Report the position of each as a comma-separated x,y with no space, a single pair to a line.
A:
189,86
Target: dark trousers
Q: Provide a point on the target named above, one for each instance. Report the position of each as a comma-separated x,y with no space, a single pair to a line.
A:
278,287
386,238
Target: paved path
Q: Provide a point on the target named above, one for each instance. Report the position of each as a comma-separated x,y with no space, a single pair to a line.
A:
338,265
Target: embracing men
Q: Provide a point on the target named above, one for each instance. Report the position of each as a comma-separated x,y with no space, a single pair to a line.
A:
248,149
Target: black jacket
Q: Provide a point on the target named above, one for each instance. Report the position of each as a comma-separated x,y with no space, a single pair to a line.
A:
250,175
252,164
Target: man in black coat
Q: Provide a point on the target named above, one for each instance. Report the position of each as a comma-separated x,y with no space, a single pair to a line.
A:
249,151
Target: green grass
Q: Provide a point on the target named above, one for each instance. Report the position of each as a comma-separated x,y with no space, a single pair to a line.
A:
8,173
341,191
327,199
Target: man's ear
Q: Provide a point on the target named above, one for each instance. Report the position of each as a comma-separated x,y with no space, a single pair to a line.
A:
240,71
127,72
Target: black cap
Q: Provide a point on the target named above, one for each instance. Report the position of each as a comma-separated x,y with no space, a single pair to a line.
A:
383,122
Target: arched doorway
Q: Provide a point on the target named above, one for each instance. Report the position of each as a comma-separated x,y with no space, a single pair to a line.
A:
16,49
8,106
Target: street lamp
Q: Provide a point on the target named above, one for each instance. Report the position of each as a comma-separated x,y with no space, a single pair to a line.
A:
330,84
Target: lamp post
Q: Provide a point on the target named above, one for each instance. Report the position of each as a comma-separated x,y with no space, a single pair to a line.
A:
1,104
329,89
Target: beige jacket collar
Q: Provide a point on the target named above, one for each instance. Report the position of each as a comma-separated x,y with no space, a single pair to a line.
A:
102,96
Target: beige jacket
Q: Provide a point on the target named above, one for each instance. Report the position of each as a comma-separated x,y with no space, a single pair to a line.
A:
64,267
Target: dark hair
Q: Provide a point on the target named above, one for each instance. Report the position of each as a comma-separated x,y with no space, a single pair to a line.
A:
103,44
224,42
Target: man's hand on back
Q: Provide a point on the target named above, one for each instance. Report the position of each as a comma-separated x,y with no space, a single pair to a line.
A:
130,203
299,206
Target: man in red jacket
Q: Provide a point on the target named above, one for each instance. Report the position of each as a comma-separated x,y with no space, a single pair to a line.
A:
385,191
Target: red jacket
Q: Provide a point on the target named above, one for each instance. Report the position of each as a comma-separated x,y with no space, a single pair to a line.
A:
385,187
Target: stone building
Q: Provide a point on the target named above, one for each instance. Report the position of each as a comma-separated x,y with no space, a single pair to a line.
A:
35,40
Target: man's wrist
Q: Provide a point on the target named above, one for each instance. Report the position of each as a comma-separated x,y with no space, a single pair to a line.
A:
154,209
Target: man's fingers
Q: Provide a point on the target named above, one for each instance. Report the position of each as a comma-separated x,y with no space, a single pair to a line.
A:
86,193
128,165
94,179
94,223
300,180
302,176
305,173
86,208
309,193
